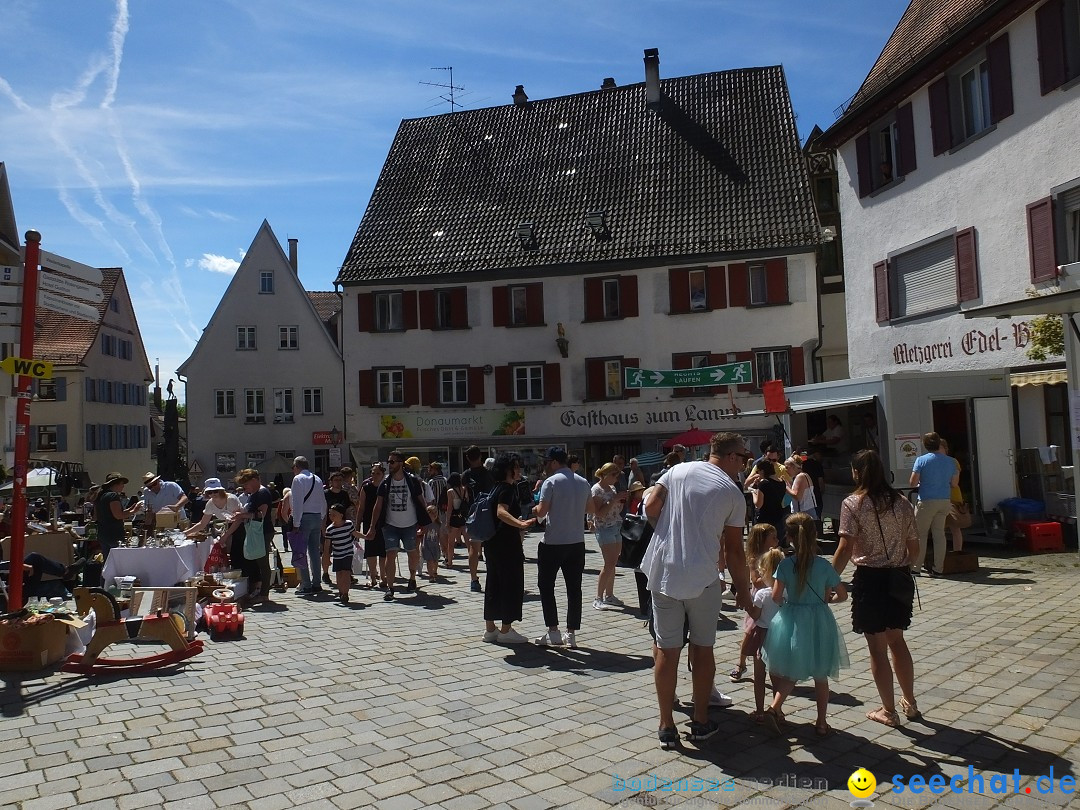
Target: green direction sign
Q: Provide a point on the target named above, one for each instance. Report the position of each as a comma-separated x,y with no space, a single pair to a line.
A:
727,374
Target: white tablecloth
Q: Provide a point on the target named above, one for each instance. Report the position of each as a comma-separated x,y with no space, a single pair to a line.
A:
159,567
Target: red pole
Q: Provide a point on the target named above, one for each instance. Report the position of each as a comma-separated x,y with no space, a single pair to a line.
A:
22,422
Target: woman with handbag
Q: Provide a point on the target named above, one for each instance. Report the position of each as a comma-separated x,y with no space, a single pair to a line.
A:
877,532
801,490
608,524
768,492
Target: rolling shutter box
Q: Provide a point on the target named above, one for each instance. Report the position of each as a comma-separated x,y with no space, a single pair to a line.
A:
999,67
1040,220
967,266
881,292
926,278
940,116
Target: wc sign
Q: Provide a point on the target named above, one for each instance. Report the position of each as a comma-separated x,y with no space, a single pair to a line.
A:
39,369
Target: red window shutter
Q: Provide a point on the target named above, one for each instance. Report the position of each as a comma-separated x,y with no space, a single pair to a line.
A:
429,387
500,306
743,357
459,307
630,362
504,388
628,304
412,386
967,266
715,288
427,309
999,67
365,312
534,304
795,364
862,165
365,388
940,116
476,385
1040,219
905,135
1049,34
776,281
881,291
595,384
738,285
408,309
552,382
678,291
594,299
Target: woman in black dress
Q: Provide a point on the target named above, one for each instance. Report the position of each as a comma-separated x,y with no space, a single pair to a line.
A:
504,592
768,492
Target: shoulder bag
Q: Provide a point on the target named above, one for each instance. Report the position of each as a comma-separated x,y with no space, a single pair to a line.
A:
636,532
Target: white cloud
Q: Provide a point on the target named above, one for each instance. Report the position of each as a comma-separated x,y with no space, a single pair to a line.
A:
218,264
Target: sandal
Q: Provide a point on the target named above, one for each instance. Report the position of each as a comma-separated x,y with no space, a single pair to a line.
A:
910,710
822,729
758,717
736,674
773,719
879,715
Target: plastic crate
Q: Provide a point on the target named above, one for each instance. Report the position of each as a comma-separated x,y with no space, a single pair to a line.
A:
1035,536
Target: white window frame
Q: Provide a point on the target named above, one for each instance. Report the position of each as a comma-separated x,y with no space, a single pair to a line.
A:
46,390
974,107
224,403
283,406
253,458
697,283
922,277
528,382
456,380
254,406
519,304
759,285
613,376
1067,207
612,296
390,311
266,282
390,386
246,339
313,401
46,437
288,338
772,364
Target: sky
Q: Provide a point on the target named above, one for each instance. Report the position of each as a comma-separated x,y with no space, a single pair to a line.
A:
157,136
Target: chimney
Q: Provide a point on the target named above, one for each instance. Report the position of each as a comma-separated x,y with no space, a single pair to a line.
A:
292,254
520,99
609,84
652,76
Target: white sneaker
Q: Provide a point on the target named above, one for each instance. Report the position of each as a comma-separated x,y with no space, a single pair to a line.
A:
571,640
719,699
491,636
511,636
598,604
551,638
614,601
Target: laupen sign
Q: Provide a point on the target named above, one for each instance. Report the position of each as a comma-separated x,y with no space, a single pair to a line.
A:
971,343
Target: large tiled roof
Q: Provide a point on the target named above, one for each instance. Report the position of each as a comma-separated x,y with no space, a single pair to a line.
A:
66,340
327,304
716,169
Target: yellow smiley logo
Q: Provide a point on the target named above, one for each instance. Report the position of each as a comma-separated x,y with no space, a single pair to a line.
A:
861,783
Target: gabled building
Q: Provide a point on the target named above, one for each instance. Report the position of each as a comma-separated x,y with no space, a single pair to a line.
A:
959,185
516,263
265,377
94,409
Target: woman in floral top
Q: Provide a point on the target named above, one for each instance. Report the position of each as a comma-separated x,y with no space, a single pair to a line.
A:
877,532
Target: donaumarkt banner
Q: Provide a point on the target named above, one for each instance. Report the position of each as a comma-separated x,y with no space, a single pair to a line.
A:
452,424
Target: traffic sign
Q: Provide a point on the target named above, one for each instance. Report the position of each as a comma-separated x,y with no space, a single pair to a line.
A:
65,306
50,261
67,286
40,369
11,275
727,374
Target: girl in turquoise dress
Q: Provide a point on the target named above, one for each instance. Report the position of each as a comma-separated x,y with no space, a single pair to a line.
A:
803,640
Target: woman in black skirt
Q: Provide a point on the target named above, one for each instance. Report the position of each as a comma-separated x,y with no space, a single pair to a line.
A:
504,592
877,532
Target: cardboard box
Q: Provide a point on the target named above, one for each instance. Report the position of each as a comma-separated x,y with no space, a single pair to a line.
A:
25,647
960,562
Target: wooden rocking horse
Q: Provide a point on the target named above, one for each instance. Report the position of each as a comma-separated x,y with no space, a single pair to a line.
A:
161,626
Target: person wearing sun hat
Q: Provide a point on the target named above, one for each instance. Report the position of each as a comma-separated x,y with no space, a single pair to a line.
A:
110,514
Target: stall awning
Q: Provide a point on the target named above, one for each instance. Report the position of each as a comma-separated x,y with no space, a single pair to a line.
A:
1051,377
829,404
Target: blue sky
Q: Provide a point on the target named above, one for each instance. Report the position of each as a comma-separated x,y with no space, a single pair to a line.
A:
157,136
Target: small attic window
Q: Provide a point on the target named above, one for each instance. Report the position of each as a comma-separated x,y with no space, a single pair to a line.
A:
266,282
114,304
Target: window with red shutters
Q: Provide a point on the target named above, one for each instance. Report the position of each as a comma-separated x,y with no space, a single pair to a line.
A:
504,393
940,116
628,296
412,386
534,297
459,307
429,387
881,292
776,281
444,308
426,300
715,288
864,168
365,312
594,299
738,285
678,290
594,379
1050,36
365,388
999,67
967,266
1040,221
605,378
408,309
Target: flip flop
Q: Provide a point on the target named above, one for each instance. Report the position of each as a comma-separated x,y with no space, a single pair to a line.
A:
910,710
879,715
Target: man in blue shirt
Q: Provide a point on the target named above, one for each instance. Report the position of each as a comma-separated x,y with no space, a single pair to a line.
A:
935,474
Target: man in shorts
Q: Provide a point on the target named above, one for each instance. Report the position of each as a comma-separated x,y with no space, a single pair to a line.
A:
699,513
400,508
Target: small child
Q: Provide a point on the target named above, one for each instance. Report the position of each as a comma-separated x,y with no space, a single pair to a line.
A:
761,538
803,640
340,533
762,612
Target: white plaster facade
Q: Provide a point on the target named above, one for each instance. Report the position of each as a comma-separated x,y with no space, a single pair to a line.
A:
223,439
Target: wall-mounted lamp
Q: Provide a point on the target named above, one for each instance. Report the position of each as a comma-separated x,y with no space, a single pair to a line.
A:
489,370
562,342
526,234
598,225
335,436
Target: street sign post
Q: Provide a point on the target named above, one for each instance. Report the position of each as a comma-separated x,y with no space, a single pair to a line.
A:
50,261
727,374
67,286
39,369
66,306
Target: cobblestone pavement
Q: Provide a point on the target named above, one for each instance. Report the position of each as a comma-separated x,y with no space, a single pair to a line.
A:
403,706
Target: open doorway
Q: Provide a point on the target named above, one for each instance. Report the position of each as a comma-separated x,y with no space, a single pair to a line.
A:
950,419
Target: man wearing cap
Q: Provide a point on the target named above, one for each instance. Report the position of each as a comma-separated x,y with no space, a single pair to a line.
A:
161,496
565,500
308,505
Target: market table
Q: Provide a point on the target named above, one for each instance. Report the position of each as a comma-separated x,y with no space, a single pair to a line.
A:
159,567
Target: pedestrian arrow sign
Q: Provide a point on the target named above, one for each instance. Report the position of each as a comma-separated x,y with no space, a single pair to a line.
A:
40,369
727,374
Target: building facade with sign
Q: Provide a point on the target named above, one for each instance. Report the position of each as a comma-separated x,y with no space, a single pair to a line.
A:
515,265
960,189
264,381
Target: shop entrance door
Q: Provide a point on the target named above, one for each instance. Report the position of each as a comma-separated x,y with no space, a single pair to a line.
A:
994,454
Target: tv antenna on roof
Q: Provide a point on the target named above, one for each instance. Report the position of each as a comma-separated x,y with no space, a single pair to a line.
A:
451,87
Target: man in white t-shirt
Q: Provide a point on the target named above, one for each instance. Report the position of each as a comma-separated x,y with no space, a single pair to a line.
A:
400,507
699,513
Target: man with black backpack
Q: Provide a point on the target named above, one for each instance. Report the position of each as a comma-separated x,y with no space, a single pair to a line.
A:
400,506
477,480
